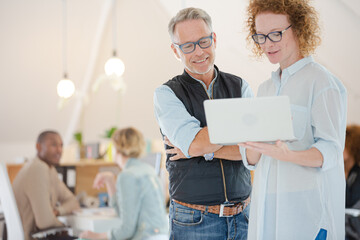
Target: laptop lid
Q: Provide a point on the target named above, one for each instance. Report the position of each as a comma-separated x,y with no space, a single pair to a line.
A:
262,119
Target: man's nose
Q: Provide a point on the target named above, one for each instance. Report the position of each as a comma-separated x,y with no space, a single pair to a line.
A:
198,50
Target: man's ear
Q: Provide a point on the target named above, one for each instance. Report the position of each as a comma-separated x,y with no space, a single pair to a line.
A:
38,147
175,50
214,39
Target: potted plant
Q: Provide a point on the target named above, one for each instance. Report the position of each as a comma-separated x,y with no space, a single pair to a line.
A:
81,148
108,154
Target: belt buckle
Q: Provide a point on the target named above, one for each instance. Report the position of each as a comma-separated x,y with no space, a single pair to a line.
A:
222,206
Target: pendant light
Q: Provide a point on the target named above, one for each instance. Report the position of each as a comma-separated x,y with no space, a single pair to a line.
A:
114,65
65,87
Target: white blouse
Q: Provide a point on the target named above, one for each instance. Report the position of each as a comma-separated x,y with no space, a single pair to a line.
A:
290,201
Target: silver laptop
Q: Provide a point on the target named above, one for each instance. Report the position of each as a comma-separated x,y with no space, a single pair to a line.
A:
262,119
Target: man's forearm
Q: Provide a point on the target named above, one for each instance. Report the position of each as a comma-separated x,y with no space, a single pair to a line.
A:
201,144
229,153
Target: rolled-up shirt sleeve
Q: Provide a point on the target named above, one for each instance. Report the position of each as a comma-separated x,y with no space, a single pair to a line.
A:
329,124
244,159
246,91
174,120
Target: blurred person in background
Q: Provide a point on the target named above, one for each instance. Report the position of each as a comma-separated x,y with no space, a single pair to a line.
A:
352,165
40,195
136,194
352,174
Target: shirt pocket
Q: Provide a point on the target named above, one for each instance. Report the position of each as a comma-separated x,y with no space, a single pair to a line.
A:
299,120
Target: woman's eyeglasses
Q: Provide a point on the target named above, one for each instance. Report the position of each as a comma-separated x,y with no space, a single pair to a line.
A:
275,36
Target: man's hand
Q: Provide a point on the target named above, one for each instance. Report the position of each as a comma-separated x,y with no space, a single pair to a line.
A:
178,153
56,212
225,152
93,235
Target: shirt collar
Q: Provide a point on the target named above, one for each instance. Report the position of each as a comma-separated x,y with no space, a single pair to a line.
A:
129,162
298,65
37,159
212,81
287,72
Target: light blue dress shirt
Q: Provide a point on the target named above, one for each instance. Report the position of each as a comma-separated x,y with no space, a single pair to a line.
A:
139,202
290,201
175,121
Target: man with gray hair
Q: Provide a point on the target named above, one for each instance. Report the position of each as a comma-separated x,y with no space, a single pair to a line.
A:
209,185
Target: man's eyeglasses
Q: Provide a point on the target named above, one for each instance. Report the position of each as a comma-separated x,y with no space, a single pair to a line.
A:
273,36
189,47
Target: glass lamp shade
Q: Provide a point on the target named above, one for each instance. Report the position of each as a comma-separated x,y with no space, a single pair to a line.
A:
114,66
65,88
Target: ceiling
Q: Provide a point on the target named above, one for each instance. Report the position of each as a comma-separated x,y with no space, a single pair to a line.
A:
31,62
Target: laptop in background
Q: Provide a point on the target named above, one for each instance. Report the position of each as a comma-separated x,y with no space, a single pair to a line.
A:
262,119
154,159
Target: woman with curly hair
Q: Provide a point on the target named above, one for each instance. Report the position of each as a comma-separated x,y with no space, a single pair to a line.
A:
299,186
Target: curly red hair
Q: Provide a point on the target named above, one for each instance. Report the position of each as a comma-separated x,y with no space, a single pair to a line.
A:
302,16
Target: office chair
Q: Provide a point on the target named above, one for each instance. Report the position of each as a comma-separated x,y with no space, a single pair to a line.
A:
12,217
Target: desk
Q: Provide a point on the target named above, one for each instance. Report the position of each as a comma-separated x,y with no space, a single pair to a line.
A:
93,223
86,171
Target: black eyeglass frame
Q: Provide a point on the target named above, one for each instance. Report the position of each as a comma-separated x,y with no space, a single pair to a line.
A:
267,35
195,43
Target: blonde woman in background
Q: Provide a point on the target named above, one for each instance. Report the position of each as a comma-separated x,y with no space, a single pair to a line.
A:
299,187
136,194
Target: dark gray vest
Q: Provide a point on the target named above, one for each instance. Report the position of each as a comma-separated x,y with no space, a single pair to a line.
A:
195,180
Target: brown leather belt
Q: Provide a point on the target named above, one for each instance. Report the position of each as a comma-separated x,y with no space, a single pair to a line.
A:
222,210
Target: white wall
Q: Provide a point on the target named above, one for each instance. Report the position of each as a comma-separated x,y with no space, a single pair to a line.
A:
31,62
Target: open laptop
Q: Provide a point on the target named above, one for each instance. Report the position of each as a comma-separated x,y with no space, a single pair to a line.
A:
262,119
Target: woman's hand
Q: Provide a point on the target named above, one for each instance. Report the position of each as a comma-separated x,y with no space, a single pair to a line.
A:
279,150
309,158
93,235
178,154
102,179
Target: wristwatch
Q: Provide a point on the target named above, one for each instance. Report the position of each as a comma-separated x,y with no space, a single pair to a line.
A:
209,156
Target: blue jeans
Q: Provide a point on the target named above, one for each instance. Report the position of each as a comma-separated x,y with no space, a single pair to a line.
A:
190,224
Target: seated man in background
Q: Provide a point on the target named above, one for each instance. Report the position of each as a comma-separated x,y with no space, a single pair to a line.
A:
40,194
352,174
352,165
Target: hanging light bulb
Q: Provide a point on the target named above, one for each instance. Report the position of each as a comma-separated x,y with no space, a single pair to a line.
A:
65,87
114,65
